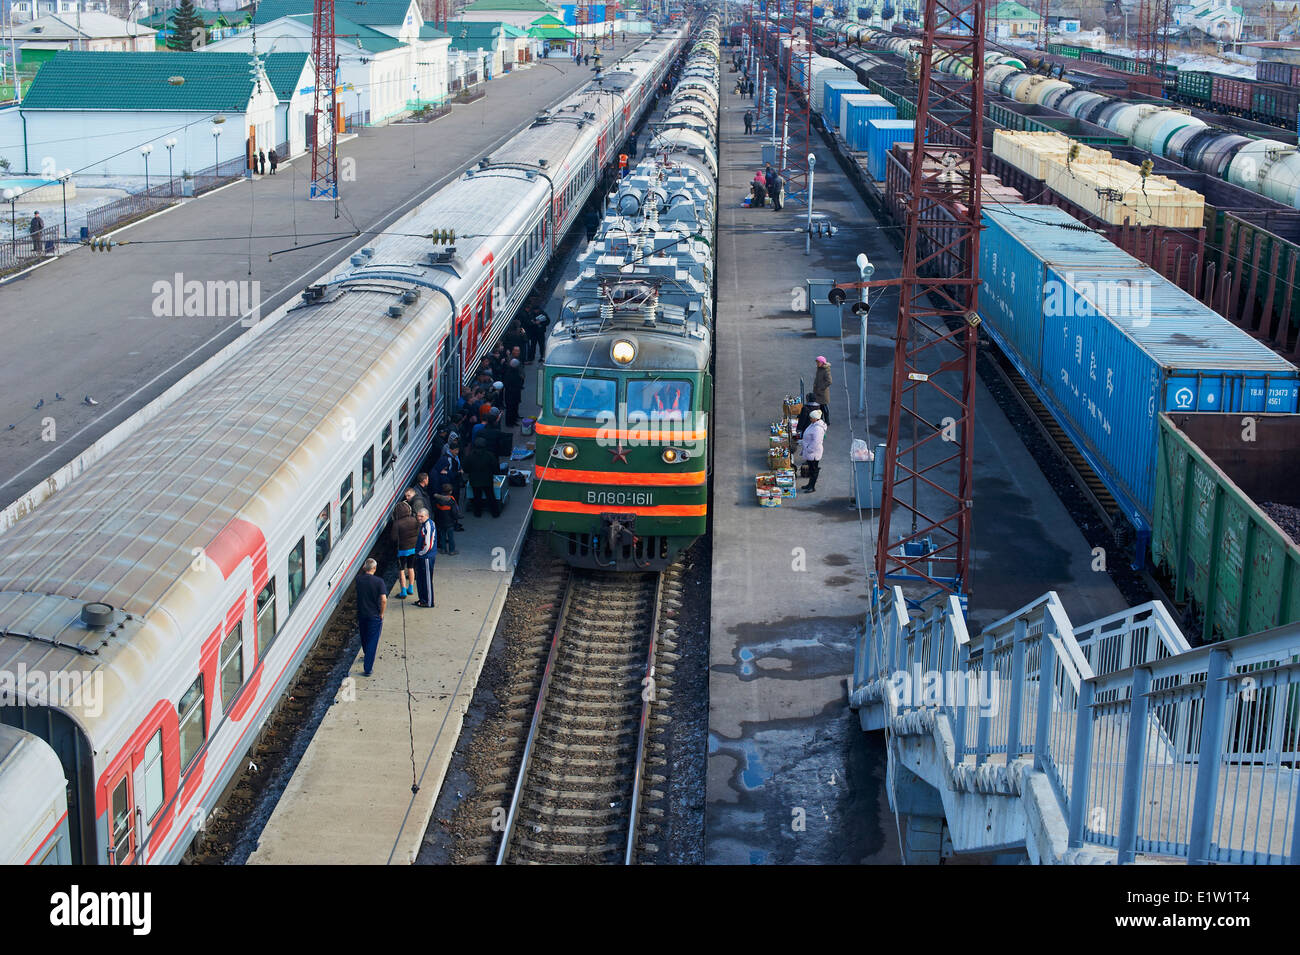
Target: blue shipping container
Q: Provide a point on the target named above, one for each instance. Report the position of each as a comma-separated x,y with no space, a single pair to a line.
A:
831,92
1116,344
855,110
881,134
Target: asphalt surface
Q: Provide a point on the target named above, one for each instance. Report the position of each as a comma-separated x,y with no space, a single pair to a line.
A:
86,325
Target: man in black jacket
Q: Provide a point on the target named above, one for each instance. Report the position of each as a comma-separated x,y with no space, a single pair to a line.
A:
514,390
481,467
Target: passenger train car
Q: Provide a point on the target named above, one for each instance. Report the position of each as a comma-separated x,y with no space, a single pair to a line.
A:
159,607
623,449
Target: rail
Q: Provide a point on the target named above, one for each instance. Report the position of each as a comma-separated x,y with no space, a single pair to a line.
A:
1211,776
598,662
538,709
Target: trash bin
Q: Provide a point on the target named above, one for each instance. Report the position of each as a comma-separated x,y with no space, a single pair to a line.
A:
769,154
818,290
826,319
868,480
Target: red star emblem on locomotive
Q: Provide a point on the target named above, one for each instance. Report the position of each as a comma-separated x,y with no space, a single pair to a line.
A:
619,453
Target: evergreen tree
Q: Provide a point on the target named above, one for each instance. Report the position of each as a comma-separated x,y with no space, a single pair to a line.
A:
188,30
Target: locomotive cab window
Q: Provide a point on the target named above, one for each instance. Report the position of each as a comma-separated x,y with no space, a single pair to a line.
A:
665,399
583,397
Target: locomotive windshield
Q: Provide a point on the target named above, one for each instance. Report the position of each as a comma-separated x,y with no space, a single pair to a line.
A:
584,397
659,398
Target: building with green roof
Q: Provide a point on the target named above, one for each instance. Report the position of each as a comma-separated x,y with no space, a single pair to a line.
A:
1009,18
517,13
101,107
385,70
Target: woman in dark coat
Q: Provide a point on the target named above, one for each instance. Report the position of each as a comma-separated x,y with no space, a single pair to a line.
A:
405,535
481,467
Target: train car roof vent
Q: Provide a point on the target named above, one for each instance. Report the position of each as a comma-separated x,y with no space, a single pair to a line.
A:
542,118
530,173
358,259
410,296
98,615
396,311
485,162
543,163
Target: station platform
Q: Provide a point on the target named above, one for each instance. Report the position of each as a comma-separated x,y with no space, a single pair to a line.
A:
350,799
791,777
86,324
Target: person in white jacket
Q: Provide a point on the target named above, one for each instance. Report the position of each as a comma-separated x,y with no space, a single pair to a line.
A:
813,439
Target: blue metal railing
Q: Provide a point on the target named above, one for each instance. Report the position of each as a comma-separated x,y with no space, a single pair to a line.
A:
1213,775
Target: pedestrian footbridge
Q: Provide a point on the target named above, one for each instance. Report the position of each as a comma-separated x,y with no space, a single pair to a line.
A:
1112,742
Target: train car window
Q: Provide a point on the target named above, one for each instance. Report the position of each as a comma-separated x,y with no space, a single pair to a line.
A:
367,474
232,665
403,424
386,455
345,505
297,572
323,540
266,618
154,792
428,384
123,823
191,730
661,398
583,397
416,407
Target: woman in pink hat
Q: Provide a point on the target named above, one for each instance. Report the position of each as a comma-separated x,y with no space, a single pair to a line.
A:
821,388
759,186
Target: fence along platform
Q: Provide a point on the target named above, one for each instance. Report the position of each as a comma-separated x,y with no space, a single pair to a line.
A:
1213,775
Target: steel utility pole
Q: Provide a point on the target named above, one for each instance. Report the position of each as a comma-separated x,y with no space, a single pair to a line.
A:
925,513
324,149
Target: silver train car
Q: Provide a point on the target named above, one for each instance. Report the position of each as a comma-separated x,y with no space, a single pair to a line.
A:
156,610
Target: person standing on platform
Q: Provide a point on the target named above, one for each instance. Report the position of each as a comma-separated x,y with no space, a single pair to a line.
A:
537,335
749,122
274,158
514,382
813,444
372,601
759,185
261,162
481,467
426,552
35,229
445,514
425,490
405,535
822,386
774,188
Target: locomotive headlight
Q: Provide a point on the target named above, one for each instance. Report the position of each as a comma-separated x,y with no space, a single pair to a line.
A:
622,351
567,451
674,455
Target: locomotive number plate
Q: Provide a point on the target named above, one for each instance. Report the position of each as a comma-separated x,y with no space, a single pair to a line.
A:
622,498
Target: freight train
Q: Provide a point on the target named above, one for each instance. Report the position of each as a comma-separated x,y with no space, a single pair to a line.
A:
1265,166
154,612
623,449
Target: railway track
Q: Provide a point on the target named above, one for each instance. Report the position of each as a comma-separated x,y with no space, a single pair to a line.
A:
579,792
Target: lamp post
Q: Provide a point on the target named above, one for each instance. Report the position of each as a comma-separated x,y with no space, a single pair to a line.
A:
170,143
10,195
812,163
865,271
216,161
63,181
145,150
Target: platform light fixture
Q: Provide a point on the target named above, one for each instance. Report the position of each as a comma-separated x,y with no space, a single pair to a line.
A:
170,143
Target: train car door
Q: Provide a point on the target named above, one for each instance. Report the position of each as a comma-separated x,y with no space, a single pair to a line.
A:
121,842
449,382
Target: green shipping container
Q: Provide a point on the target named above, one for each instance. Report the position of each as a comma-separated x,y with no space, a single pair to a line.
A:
1221,552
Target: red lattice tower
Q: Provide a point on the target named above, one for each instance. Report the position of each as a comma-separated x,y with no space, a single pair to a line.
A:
1152,41
925,513
324,150
794,105
440,13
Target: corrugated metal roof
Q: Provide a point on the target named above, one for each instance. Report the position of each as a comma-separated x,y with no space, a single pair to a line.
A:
366,12
357,34
86,79
284,70
1057,238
